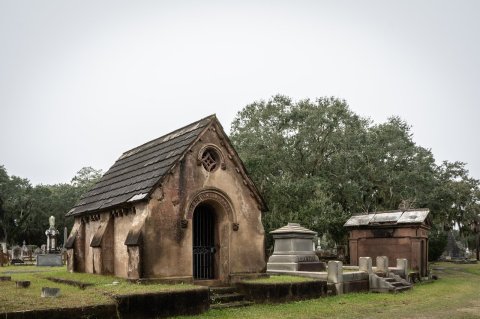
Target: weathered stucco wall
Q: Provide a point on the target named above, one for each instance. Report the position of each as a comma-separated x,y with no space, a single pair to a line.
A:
90,229
168,246
160,231
121,226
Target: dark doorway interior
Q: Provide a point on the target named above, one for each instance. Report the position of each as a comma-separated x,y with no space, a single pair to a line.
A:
203,242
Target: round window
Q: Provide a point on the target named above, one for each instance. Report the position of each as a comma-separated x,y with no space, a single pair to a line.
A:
210,160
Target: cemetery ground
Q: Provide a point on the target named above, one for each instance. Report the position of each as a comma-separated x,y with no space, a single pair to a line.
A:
455,295
98,291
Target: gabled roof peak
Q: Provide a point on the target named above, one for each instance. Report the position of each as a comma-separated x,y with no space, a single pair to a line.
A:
167,136
136,172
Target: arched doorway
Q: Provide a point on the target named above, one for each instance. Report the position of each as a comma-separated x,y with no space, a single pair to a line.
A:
204,239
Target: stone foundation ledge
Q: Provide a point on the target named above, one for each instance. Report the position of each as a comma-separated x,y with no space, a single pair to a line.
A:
355,276
163,304
234,278
93,312
166,280
321,275
148,305
282,292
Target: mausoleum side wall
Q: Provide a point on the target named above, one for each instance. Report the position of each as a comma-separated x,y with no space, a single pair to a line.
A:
90,229
121,227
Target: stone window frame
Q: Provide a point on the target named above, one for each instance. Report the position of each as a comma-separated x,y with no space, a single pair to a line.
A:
218,155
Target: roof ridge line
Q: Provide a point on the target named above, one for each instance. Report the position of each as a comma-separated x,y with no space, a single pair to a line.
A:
169,133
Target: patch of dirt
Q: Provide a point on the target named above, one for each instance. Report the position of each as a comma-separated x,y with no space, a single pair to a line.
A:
473,308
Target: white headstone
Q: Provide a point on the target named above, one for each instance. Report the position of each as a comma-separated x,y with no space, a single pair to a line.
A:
365,264
382,263
335,275
402,263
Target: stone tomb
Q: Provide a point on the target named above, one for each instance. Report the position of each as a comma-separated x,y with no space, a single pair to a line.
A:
293,250
394,234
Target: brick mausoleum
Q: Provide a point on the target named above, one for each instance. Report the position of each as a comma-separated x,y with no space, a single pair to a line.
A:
395,234
180,206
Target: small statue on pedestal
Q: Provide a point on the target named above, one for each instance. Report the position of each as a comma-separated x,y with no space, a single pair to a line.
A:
51,236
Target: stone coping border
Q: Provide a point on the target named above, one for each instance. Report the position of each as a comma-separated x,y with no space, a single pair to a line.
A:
148,305
163,304
79,284
282,292
93,312
320,275
167,281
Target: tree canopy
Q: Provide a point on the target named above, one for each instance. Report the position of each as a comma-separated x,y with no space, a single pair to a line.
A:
318,163
25,209
315,161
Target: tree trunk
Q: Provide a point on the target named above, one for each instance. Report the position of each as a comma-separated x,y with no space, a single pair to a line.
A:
478,245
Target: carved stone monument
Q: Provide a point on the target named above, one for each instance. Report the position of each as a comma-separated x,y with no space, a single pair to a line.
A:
51,235
51,258
293,250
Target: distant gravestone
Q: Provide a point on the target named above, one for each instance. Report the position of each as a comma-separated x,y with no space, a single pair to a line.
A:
22,283
37,252
50,292
16,252
24,250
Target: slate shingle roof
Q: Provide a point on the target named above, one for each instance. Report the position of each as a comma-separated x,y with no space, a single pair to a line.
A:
135,174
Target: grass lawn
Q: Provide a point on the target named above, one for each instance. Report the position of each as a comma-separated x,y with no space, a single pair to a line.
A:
455,295
16,299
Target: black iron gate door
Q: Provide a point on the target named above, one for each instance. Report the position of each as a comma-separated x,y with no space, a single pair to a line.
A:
203,243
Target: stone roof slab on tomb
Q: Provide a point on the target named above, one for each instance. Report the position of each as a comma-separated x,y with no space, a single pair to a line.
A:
358,220
413,216
381,218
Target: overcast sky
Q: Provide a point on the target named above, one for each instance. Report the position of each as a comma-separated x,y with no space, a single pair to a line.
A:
83,81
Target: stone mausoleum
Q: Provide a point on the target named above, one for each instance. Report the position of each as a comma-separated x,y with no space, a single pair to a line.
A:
395,234
180,206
